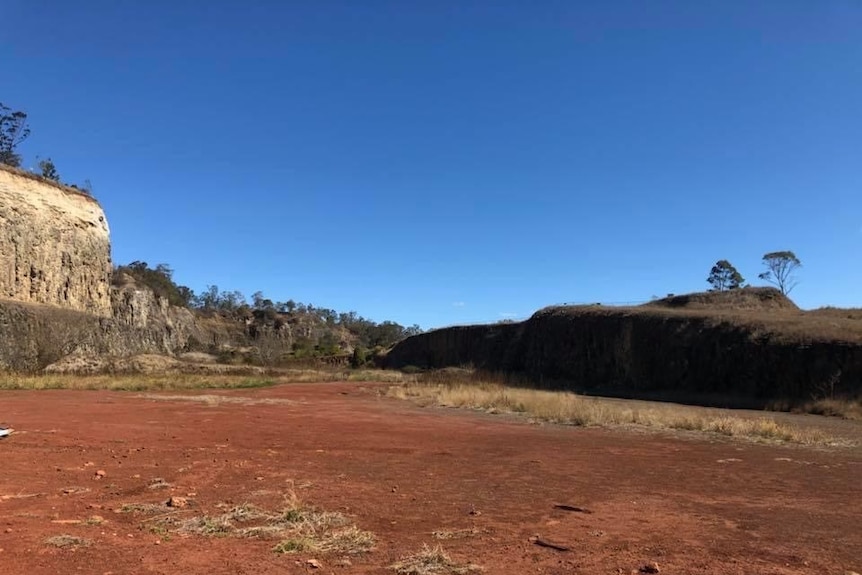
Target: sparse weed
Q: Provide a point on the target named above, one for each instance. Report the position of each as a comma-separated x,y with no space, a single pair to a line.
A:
300,527
431,561
446,534
66,541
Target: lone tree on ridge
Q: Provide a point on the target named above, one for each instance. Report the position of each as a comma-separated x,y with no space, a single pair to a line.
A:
779,270
723,276
48,169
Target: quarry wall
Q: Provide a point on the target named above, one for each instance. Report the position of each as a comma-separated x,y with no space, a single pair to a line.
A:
645,353
54,245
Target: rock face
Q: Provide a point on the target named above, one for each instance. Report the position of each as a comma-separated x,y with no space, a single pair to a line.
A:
54,245
652,352
56,292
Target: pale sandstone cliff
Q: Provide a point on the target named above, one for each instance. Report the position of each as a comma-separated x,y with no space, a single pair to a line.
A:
56,292
54,245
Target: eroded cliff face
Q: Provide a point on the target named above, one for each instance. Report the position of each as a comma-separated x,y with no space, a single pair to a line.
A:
647,353
54,246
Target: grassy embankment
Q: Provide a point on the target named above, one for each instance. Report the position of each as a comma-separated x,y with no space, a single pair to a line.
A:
472,390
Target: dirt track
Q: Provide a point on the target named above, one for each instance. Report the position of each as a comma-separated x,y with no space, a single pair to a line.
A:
692,506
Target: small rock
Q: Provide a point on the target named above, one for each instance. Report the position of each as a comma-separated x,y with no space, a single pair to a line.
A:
100,474
157,542
178,502
313,563
8,530
651,567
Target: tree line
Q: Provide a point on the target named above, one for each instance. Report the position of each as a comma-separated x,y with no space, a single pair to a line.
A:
780,272
234,304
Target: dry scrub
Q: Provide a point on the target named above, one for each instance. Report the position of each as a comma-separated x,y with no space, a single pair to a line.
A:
299,527
571,409
175,382
844,408
66,541
431,561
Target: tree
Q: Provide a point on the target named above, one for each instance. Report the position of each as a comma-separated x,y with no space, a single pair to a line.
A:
48,169
779,270
13,131
723,276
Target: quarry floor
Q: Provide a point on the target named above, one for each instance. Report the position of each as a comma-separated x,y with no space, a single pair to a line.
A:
691,504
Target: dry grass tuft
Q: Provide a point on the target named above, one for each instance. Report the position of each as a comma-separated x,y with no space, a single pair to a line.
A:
431,561
447,534
158,483
843,408
300,527
142,508
66,541
571,409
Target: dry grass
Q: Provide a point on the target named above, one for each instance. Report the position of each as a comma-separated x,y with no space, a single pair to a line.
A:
431,561
299,527
844,408
571,409
782,324
66,541
213,400
142,508
447,534
181,381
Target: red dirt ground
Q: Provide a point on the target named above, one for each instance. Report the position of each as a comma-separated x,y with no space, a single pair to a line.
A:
402,472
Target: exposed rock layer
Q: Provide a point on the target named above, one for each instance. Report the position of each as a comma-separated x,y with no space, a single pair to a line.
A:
54,245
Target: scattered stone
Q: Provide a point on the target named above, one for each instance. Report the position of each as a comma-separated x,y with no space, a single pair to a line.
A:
178,502
8,530
651,567
100,474
313,563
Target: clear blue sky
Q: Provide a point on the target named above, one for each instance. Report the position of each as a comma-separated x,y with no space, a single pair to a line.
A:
440,162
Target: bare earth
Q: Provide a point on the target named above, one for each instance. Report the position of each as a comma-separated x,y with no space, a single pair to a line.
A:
692,504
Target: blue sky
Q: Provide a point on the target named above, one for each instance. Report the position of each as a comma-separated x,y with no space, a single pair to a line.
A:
440,162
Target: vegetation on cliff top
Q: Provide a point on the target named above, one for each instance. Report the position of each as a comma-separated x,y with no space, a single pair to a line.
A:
323,330
14,129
